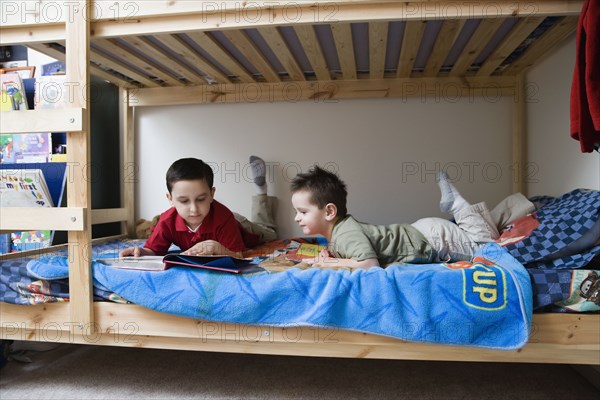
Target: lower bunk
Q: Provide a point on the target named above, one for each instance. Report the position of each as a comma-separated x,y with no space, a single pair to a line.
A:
486,310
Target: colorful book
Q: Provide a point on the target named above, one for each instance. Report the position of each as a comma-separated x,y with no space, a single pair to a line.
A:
25,148
12,93
24,188
157,263
30,240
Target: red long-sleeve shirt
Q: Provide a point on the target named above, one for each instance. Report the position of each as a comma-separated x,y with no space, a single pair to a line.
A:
220,225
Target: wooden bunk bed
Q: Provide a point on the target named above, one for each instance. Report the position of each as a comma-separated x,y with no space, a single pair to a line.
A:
183,52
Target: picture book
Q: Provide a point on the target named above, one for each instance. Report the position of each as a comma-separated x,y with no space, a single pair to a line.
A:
158,263
25,148
24,188
30,240
309,249
12,93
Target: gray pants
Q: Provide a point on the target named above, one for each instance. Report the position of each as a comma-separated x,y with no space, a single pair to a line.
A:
475,225
262,215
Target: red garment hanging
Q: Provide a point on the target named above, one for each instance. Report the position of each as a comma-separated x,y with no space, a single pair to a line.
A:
585,90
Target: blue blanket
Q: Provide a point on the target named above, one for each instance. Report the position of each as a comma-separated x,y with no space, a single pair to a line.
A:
487,305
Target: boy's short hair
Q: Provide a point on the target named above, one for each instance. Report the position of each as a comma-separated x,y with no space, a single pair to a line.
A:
189,169
324,186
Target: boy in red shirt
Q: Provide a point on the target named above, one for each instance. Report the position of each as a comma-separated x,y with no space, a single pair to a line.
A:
200,225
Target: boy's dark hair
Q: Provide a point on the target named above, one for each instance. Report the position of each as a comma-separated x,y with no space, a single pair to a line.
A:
324,186
189,169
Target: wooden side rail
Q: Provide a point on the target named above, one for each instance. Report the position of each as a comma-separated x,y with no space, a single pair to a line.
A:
42,120
555,338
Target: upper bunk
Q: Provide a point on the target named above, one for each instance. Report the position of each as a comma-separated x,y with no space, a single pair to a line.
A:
180,52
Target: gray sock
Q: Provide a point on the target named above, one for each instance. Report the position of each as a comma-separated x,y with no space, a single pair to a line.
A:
259,174
451,201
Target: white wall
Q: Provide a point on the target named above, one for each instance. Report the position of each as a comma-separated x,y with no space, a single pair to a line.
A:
385,149
38,59
559,165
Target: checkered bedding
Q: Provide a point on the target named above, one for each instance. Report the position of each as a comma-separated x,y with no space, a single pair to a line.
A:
562,221
19,286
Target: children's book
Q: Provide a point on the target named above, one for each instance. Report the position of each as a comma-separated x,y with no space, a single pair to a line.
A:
30,240
12,93
158,263
24,188
25,148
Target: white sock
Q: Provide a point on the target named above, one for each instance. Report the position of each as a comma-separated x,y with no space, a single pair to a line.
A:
259,172
451,201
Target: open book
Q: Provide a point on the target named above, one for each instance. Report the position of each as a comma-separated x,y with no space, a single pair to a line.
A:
158,263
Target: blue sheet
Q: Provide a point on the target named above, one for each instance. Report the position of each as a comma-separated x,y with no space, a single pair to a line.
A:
487,305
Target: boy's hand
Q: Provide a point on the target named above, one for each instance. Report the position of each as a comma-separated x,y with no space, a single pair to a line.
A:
325,253
321,258
206,248
136,252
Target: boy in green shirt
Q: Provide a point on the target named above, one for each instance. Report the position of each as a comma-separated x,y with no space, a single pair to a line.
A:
319,198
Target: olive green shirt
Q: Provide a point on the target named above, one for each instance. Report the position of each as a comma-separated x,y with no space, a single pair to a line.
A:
386,243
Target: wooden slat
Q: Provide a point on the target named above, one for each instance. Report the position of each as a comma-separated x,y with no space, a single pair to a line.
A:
55,218
519,151
43,120
543,45
36,218
145,46
443,44
50,51
130,169
51,249
122,68
452,88
480,38
312,49
215,49
32,34
378,32
78,182
107,215
185,51
413,33
283,53
342,35
516,36
555,338
241,41
17,14
116,49
335,12
148,21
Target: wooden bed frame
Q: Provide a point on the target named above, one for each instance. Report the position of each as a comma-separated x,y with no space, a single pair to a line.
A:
175,52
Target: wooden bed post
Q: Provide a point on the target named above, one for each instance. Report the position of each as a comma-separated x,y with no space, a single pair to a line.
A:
128,170
519,148
78,178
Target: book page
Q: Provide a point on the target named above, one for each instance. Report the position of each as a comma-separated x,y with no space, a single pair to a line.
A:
147,263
